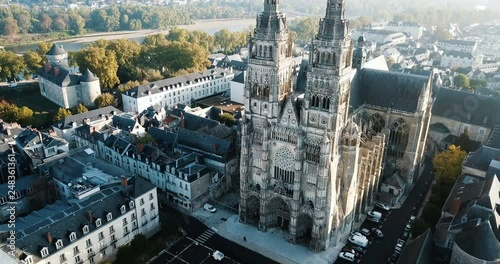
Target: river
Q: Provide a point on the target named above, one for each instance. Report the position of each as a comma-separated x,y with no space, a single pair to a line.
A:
75,44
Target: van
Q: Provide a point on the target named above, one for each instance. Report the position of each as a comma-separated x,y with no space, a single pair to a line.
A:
361,241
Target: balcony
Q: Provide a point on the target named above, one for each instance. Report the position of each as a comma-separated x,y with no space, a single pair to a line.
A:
101,238
91,255
111,231
63,261
103,247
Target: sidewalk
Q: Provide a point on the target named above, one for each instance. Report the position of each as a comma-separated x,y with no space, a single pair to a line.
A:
272,244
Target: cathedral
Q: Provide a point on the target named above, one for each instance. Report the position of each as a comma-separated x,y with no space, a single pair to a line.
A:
316,148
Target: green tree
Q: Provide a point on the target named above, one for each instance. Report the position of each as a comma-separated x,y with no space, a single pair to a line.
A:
76,24
45,23
227,119
464,142
104,100
61,114
80,108
126,50
154,40
305,29
135,24
33,61
442,34
462,81
147,139
10,65
43,48
476,83
100,61
448,164
360,22
24,116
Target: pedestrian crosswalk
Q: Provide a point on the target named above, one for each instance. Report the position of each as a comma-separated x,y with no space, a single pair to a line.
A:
205,236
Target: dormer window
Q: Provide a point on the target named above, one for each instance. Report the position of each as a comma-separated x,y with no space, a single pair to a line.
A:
122,209
85,229
72,236
98,222
131,204
59,244
44,252
109,217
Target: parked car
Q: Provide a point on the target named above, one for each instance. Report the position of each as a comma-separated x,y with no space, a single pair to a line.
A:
357,233
408,228
401,242
382,206
358,249
373,219
365,232
378,232
347,256
394,256
218,255
375,214
361,241
209,208
398,249
406,235
412,218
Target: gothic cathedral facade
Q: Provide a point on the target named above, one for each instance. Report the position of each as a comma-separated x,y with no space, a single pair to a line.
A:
310,165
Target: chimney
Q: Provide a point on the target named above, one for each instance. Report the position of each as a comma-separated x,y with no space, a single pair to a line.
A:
56,71
90,216
48,235
47,67
455,206
124,181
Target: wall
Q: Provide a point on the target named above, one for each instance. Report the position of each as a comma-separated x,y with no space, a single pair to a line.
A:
478,133
237,92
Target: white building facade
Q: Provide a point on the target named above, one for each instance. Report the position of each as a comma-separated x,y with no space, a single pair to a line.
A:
185,89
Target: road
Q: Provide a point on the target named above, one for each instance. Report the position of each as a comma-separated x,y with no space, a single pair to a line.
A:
380,250
200,242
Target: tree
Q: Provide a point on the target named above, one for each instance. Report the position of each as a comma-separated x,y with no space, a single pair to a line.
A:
104,100
11,65
464,142
24,116
476,83
76,24
126,50
147,139
448,164
154,40
127,86
100,61
306,28
442,34
227,119
43,48
33,61
9,27
462,81
80,108
61,114
45,23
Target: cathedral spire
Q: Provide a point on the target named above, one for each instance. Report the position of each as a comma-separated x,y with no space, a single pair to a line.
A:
334,25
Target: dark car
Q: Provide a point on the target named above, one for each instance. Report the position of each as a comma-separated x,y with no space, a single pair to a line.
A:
358,249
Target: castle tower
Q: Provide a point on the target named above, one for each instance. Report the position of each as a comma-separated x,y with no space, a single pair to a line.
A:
90,88
57,56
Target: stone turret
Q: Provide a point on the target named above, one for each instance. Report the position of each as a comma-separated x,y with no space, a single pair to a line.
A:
90,88
57,56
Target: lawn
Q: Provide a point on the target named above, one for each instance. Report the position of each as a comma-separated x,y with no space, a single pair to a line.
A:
29,95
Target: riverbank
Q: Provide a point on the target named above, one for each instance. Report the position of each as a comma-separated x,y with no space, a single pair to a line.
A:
211,26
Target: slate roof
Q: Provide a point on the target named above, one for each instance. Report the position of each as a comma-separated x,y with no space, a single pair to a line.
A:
91,116
467,107
178,82
63,79
458,42
482,158
194,122
124,122
56,50
458,54
487,250
61,220
467,188
240,78
88,76
302,77
211,146
165,139
440,128
494,139
395,180
386,89
419,250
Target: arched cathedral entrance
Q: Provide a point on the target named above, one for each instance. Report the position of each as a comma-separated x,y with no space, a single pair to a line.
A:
253,210
279,213
304,228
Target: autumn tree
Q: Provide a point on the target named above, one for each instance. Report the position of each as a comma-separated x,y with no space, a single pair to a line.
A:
43,48
448,164
100,61
61,114
9,27
12,113
462,81
76,24
154,40
146,139
104,100
24,116
305,29
128,85
33,61
227,119
10,65
80,108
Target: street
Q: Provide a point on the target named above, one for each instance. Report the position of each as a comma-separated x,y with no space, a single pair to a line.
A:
380,250
200,242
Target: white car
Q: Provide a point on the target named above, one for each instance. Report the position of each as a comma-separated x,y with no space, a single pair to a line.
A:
365,231
375,214
218,255
347,256
209,208
412,218
382,206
